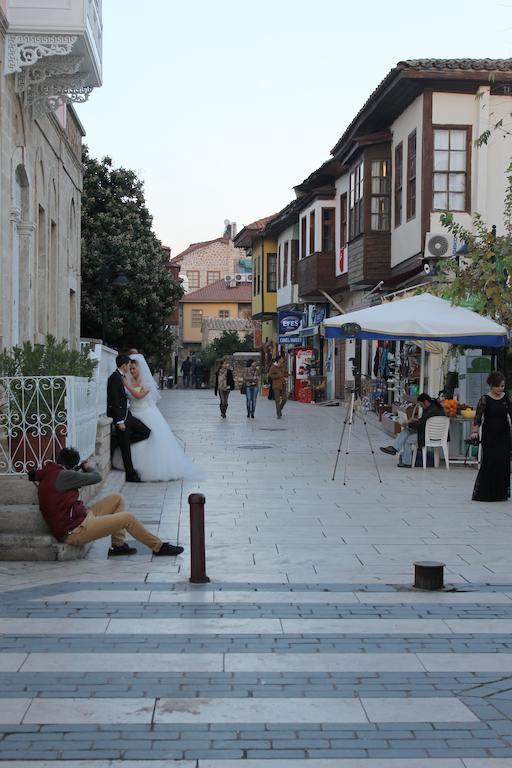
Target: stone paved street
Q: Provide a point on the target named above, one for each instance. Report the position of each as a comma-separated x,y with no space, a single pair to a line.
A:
307,648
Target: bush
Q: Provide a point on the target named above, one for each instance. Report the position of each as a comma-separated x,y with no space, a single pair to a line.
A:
49,359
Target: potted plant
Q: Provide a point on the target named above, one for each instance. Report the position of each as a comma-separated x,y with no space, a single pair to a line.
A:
33,415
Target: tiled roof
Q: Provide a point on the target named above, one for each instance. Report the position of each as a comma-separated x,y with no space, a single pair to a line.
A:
196,246
260,224
228,324
424,65
490,65
220,291
246,235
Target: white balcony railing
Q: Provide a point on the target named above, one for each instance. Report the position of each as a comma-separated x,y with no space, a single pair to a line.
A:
54,50
39,415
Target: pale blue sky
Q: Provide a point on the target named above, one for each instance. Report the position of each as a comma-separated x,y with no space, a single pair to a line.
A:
222,106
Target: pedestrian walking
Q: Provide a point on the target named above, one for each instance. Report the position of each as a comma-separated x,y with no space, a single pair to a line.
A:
224,384
278,375
251,384
185,372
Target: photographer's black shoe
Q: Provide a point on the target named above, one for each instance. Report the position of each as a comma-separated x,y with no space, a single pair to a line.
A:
168,550
121,549
133,477
389,449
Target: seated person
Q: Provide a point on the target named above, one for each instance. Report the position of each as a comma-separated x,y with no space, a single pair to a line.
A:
414,433
71,522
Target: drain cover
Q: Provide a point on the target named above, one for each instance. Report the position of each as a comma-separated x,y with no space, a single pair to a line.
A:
254,447
272,429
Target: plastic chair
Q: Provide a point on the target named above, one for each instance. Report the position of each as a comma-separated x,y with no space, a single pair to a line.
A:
436,436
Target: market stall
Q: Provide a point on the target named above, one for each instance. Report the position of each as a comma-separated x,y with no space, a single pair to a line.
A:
418,323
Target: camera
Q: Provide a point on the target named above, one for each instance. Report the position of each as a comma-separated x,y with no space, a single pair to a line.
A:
355,369
31,475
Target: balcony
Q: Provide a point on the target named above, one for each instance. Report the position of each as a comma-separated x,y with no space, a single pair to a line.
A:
315,273
54,50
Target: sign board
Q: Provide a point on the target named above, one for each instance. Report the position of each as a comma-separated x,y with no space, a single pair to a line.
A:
288,321
342,261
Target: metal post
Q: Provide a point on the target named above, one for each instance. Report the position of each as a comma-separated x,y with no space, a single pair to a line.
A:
428,575
197,541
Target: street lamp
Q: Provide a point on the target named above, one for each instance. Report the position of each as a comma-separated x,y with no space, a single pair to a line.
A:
120,281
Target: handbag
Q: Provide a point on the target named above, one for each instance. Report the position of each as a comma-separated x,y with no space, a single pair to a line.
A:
243,388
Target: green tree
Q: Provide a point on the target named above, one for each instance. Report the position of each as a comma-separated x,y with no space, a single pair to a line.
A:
481,280
117,237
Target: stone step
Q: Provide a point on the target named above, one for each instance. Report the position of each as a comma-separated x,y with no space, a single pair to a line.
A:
22,518
16,489
42,547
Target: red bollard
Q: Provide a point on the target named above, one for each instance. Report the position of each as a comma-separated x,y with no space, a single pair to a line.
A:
197,541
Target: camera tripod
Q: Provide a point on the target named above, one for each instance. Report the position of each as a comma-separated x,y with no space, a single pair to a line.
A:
353,411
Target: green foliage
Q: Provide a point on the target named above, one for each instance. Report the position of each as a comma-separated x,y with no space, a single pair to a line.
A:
50,359
481,280
117,236
224,346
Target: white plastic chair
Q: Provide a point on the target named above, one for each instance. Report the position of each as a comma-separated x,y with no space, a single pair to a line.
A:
436,436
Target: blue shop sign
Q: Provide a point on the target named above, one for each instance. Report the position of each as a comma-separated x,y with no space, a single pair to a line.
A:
288,321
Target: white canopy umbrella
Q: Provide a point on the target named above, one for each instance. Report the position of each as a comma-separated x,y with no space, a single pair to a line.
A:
419,318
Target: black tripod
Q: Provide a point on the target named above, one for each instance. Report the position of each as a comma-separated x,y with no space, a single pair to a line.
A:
353,411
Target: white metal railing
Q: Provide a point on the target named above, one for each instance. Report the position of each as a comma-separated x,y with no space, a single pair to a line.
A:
39,415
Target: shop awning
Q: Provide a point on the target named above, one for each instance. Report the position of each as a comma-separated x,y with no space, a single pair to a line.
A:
423,317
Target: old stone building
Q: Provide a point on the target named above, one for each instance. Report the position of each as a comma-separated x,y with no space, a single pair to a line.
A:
49,58
204,263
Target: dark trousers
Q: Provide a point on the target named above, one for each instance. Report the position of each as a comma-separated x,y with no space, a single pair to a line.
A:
135,432
223,405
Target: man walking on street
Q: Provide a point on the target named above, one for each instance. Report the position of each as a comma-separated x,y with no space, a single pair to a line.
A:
185,371
279,378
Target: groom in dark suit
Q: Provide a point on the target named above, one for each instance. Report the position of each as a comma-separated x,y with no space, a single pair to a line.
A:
128,429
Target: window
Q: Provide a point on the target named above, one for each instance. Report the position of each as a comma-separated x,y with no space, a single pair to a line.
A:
451,168
303,227
279,265
312,232
197,318
193,279
399,171
271,272
328,230
224,313
356,200
212,277
285,264
343,221
380,196
411,176
258,281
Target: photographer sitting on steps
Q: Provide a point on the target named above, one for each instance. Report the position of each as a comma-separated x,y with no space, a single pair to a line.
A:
71,522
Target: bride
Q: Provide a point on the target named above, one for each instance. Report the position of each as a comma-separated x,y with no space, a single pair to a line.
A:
160,457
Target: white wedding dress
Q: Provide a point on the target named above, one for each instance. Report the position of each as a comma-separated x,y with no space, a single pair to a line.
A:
160,457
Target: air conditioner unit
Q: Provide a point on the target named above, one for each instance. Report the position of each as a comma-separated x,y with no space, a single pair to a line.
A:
239,278
437,246
228,279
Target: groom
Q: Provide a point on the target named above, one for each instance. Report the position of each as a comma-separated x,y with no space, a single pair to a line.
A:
128,429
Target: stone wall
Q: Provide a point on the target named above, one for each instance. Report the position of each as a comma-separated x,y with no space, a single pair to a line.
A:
218,255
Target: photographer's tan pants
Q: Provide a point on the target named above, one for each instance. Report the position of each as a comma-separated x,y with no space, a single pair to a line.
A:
108,517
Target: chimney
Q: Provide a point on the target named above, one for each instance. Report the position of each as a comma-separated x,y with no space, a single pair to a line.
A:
233,230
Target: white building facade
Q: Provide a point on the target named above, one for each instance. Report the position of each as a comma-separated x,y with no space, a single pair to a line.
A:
50,58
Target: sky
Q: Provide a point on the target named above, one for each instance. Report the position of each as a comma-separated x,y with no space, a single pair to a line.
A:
223,106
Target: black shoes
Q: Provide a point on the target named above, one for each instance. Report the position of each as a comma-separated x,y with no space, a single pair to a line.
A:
404,466
252,415
133,477
168,550
122,549
389,449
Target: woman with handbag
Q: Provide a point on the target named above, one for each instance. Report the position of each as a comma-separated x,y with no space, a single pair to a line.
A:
250,386
224,384
494,415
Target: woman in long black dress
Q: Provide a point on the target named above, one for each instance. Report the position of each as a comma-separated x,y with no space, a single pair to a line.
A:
494,413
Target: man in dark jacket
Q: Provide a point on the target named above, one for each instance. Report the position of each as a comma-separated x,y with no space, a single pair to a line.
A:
70,521
128,429
414,433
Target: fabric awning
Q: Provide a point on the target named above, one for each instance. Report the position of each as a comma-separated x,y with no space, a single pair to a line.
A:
423,317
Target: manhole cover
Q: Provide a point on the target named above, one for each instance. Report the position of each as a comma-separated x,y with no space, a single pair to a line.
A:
254,447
